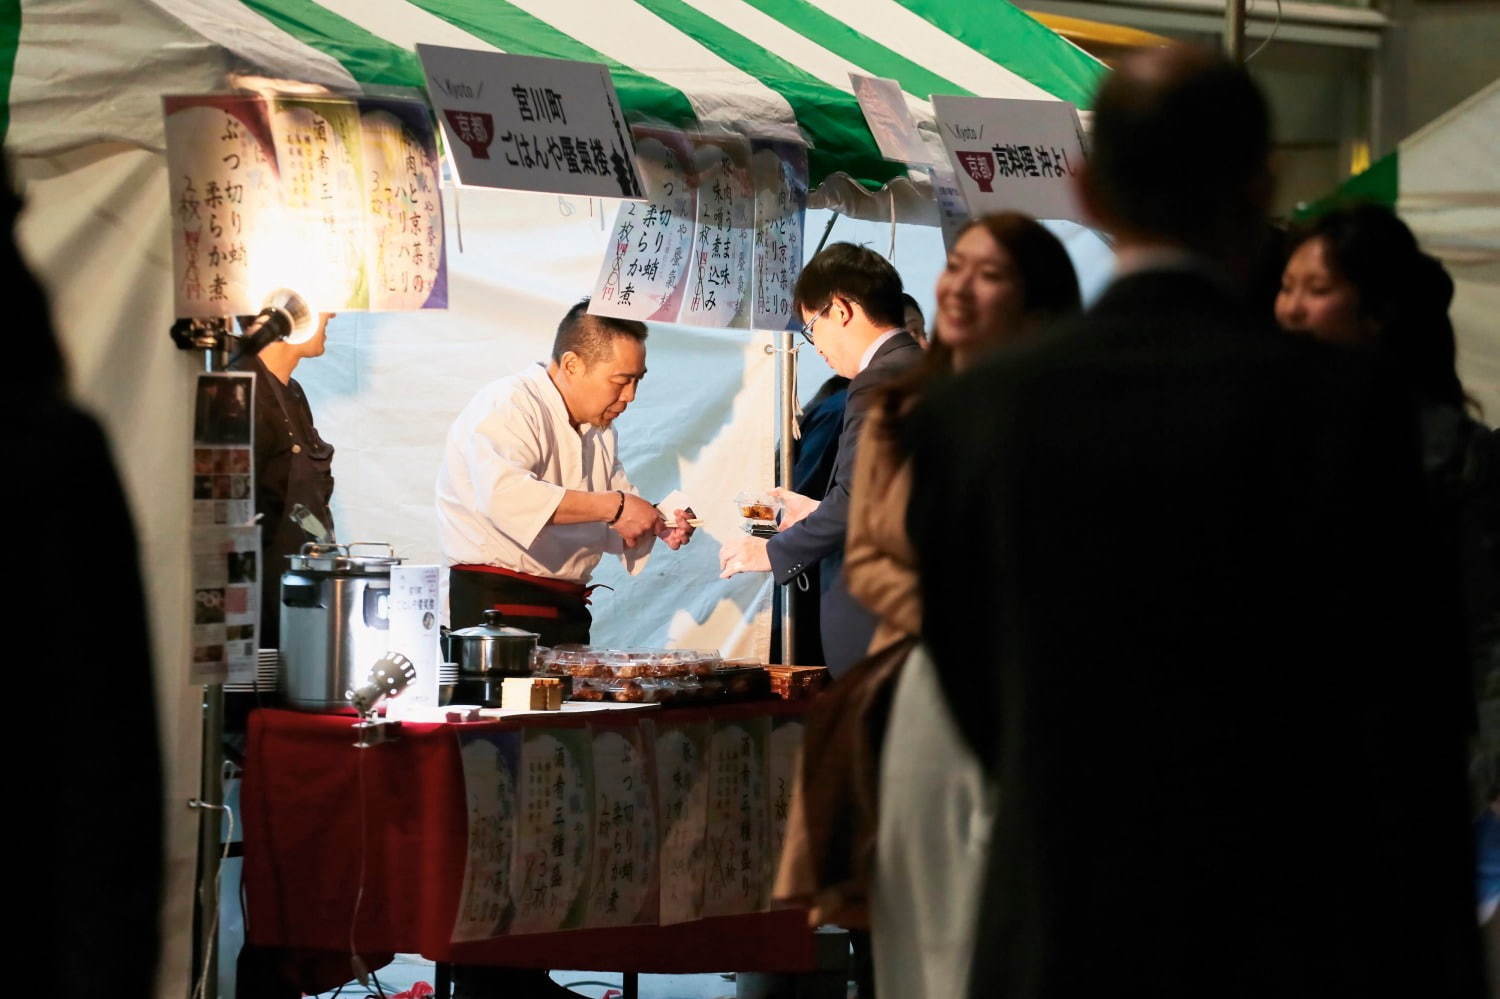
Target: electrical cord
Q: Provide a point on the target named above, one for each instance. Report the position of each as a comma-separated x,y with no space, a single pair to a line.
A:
212,940
359,896
1275,26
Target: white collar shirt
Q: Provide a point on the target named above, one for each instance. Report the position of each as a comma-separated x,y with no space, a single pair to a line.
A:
869,354
509,457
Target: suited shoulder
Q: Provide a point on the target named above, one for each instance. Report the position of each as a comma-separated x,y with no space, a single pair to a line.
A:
897,355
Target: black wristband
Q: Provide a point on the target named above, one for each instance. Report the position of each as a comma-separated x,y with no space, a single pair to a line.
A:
618,510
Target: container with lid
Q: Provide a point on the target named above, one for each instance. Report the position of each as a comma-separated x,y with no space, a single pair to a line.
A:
335,622
493,649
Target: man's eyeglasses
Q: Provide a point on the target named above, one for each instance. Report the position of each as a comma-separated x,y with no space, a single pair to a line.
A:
807,327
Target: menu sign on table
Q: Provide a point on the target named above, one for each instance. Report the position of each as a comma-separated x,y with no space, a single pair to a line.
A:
531,124
491,762
784,753
1013,155
682,793
738,833
550,868
623,890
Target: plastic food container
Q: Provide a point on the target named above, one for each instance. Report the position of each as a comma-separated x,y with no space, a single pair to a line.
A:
758,507
590,689
636,691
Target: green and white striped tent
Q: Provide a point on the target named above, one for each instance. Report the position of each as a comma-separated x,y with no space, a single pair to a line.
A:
1444,182
82,124
764,65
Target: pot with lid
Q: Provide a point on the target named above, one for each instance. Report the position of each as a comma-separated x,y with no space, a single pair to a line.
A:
492,649
335,622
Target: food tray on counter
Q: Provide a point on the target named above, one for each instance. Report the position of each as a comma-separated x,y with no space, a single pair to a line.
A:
654,676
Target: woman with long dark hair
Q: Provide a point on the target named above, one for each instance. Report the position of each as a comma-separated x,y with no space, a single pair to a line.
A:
1006,277
1356,276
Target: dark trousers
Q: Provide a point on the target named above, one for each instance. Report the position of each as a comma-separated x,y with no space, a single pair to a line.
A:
555,610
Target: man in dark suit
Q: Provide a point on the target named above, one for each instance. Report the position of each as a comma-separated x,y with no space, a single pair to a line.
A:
1178,590
850,301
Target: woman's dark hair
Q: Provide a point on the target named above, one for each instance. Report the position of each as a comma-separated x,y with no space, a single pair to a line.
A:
1049,291
1405,292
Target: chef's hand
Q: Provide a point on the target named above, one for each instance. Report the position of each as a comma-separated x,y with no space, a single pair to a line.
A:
638,519
676,537
794,506
743,554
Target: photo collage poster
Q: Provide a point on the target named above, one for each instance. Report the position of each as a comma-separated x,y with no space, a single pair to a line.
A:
225,540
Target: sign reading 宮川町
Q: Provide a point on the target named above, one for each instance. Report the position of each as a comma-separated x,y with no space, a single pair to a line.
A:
531,124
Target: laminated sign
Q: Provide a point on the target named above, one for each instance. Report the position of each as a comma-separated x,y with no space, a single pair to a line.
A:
531,124
1013,155
335,198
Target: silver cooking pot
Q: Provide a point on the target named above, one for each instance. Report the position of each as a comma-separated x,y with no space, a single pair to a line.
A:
492,649
335,622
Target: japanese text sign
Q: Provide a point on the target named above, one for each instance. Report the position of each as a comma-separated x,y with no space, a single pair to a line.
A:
1013,155
335,198
645,265
531,124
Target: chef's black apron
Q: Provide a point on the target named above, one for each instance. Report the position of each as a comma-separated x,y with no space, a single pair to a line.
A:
292,465
555,609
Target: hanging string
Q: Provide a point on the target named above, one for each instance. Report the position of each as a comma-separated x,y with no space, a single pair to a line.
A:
458,217
891,255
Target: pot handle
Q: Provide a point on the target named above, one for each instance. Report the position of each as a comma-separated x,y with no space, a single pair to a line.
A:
493,618
389,549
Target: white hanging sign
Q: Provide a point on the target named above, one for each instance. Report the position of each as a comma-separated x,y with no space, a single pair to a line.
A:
531,124
1013,155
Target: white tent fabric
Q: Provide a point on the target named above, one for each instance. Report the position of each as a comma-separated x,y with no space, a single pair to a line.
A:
1449,193
389,386
95,232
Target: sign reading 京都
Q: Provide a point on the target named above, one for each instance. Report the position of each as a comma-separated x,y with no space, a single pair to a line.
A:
531,124
1013,155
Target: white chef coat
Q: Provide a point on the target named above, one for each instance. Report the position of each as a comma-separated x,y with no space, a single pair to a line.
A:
509,457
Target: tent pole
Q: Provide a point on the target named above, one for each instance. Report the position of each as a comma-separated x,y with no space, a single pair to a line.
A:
785,422
829,228
210,803
1234,29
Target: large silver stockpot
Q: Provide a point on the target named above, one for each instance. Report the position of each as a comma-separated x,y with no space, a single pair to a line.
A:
335,622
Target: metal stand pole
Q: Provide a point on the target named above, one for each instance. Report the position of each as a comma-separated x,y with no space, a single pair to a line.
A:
211,794
210,838
1234,29
786,357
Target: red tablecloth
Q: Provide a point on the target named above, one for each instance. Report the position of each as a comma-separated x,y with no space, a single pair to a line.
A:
305,786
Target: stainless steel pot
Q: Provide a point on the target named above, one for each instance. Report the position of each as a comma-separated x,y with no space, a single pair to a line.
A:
492,649
335,622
